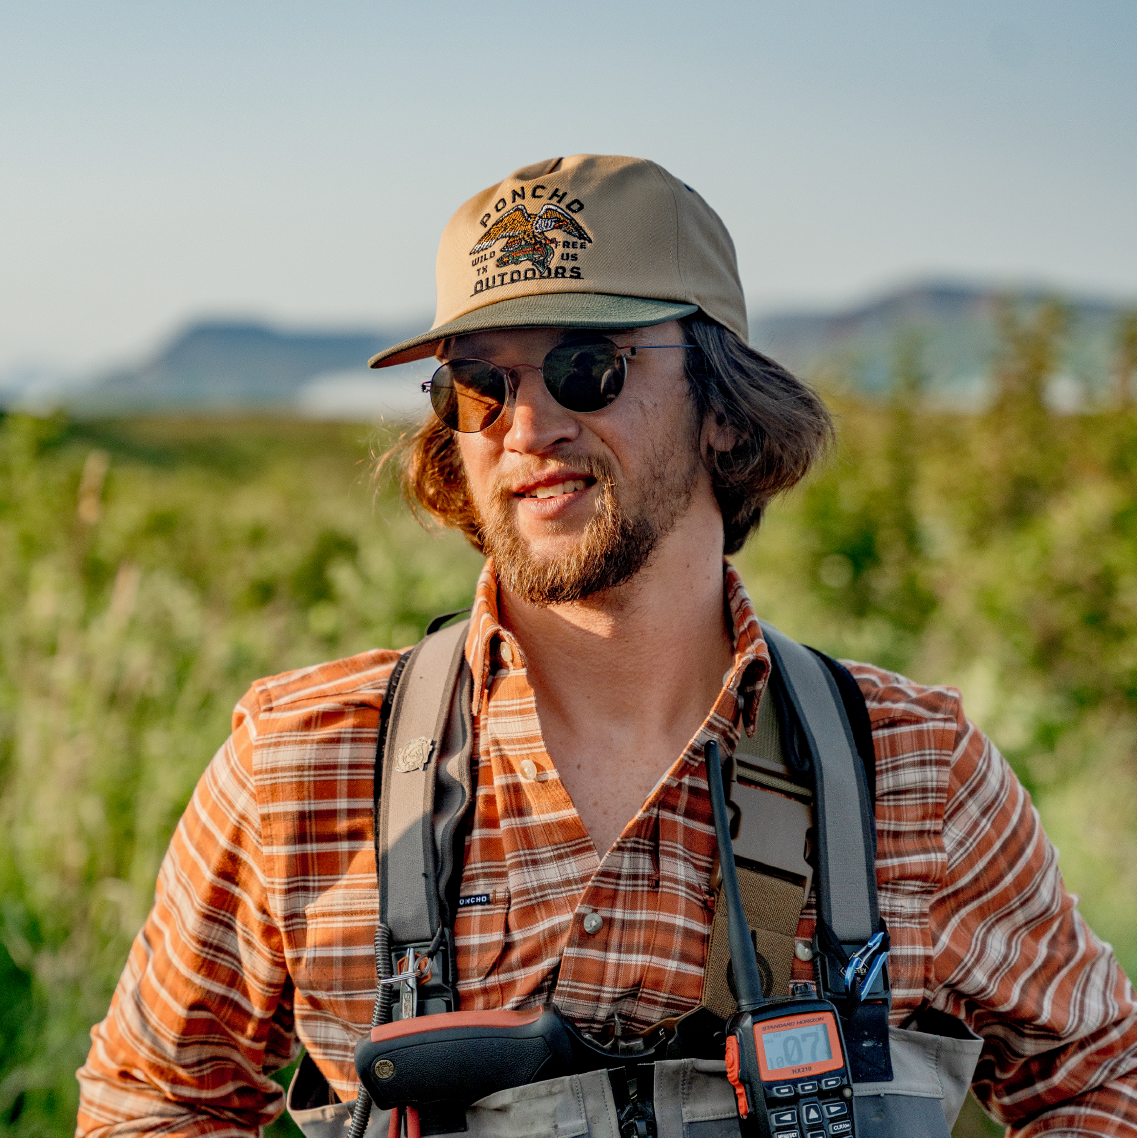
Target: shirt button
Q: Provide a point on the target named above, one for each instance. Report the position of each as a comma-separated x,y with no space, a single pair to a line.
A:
592,923
803,951
529,770
506,653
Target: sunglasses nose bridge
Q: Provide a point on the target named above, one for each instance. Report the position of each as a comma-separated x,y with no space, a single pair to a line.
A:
512,373
514,380
512,376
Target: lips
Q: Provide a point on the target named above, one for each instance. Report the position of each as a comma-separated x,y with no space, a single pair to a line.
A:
555,491
554,486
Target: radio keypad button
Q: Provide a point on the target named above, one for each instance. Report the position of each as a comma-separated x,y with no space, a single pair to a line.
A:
811,1113
785,1118
807,1088
783,1090
836,1109
840,1127
816,1134
830,1084
787,1134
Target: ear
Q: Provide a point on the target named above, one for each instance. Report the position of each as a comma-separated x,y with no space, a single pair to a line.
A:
716,434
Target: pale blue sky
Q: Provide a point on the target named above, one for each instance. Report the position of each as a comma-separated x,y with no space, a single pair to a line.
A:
297,161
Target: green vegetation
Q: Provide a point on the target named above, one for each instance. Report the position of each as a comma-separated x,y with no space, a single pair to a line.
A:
150,569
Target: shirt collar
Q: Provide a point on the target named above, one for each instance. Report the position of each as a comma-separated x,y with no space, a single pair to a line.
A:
751,664
745,679
485,633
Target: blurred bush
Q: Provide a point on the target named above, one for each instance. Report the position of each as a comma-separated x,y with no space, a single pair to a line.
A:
150,569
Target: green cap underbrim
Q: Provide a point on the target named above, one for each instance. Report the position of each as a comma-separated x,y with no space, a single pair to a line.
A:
546,310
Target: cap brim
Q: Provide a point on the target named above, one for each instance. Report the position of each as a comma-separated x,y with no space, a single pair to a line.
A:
547,310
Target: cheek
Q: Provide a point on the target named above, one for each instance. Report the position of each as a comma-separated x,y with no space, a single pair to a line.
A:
652,410
666,417
477,454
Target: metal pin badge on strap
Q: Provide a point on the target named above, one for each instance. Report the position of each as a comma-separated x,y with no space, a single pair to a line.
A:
414,755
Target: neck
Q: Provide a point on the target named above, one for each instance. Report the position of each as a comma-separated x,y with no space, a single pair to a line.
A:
625,679
654,649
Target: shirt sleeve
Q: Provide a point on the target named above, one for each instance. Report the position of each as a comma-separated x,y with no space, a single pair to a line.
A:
204,1006
1013,957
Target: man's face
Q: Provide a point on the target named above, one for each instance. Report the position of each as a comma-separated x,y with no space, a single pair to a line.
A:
572,504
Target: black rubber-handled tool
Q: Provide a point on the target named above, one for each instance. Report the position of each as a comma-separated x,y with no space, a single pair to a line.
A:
458,1057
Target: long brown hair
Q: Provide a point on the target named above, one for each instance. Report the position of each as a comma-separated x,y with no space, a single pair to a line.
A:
780,427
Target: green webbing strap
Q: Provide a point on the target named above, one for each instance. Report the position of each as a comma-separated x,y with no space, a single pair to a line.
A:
772,904
846,836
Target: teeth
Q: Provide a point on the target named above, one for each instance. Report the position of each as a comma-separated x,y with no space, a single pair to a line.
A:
558,490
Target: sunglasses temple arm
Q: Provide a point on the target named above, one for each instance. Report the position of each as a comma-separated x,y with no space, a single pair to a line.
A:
633,349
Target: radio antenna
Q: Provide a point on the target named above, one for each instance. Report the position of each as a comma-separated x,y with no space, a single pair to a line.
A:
748,985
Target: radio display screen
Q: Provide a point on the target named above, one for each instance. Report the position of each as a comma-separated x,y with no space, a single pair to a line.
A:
806,1043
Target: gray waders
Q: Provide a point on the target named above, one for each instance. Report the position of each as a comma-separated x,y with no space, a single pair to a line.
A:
802,800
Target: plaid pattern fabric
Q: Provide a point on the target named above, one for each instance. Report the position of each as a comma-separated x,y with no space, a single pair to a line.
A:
261,932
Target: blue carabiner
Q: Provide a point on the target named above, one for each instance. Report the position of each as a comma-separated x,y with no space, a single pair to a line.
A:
858,963
871,976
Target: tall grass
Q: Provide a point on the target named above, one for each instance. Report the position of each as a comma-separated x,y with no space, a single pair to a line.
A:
150,569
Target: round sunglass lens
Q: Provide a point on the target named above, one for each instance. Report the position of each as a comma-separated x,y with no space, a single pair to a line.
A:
468,395
584,377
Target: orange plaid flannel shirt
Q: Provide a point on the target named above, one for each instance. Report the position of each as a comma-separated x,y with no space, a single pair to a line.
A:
260,938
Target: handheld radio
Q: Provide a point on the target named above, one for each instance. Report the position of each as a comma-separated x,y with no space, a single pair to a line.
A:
786,1058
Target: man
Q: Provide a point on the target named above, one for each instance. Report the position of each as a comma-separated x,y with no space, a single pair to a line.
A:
603,433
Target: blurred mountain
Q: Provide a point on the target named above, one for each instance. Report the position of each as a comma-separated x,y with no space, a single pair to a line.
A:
856,347
222,366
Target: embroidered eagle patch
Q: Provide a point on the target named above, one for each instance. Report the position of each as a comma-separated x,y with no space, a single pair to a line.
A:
525,236
414,755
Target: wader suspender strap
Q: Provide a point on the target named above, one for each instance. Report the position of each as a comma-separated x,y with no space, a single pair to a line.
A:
845,833
426,788
850,940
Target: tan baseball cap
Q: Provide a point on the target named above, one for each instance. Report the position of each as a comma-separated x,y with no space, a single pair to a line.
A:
592,241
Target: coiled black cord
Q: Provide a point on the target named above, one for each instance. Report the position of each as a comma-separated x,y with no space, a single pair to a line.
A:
381,1013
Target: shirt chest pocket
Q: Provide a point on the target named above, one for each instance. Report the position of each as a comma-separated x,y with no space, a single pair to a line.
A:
480,928
339,927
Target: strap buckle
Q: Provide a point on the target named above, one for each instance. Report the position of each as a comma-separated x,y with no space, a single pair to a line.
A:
632,1092
412,970
424,974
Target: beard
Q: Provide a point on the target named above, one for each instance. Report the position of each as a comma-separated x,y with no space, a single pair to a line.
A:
617,541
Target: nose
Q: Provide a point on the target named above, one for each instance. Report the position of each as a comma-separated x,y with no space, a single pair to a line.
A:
537,421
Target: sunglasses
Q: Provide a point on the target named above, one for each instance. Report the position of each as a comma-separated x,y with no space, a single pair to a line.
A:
582,376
